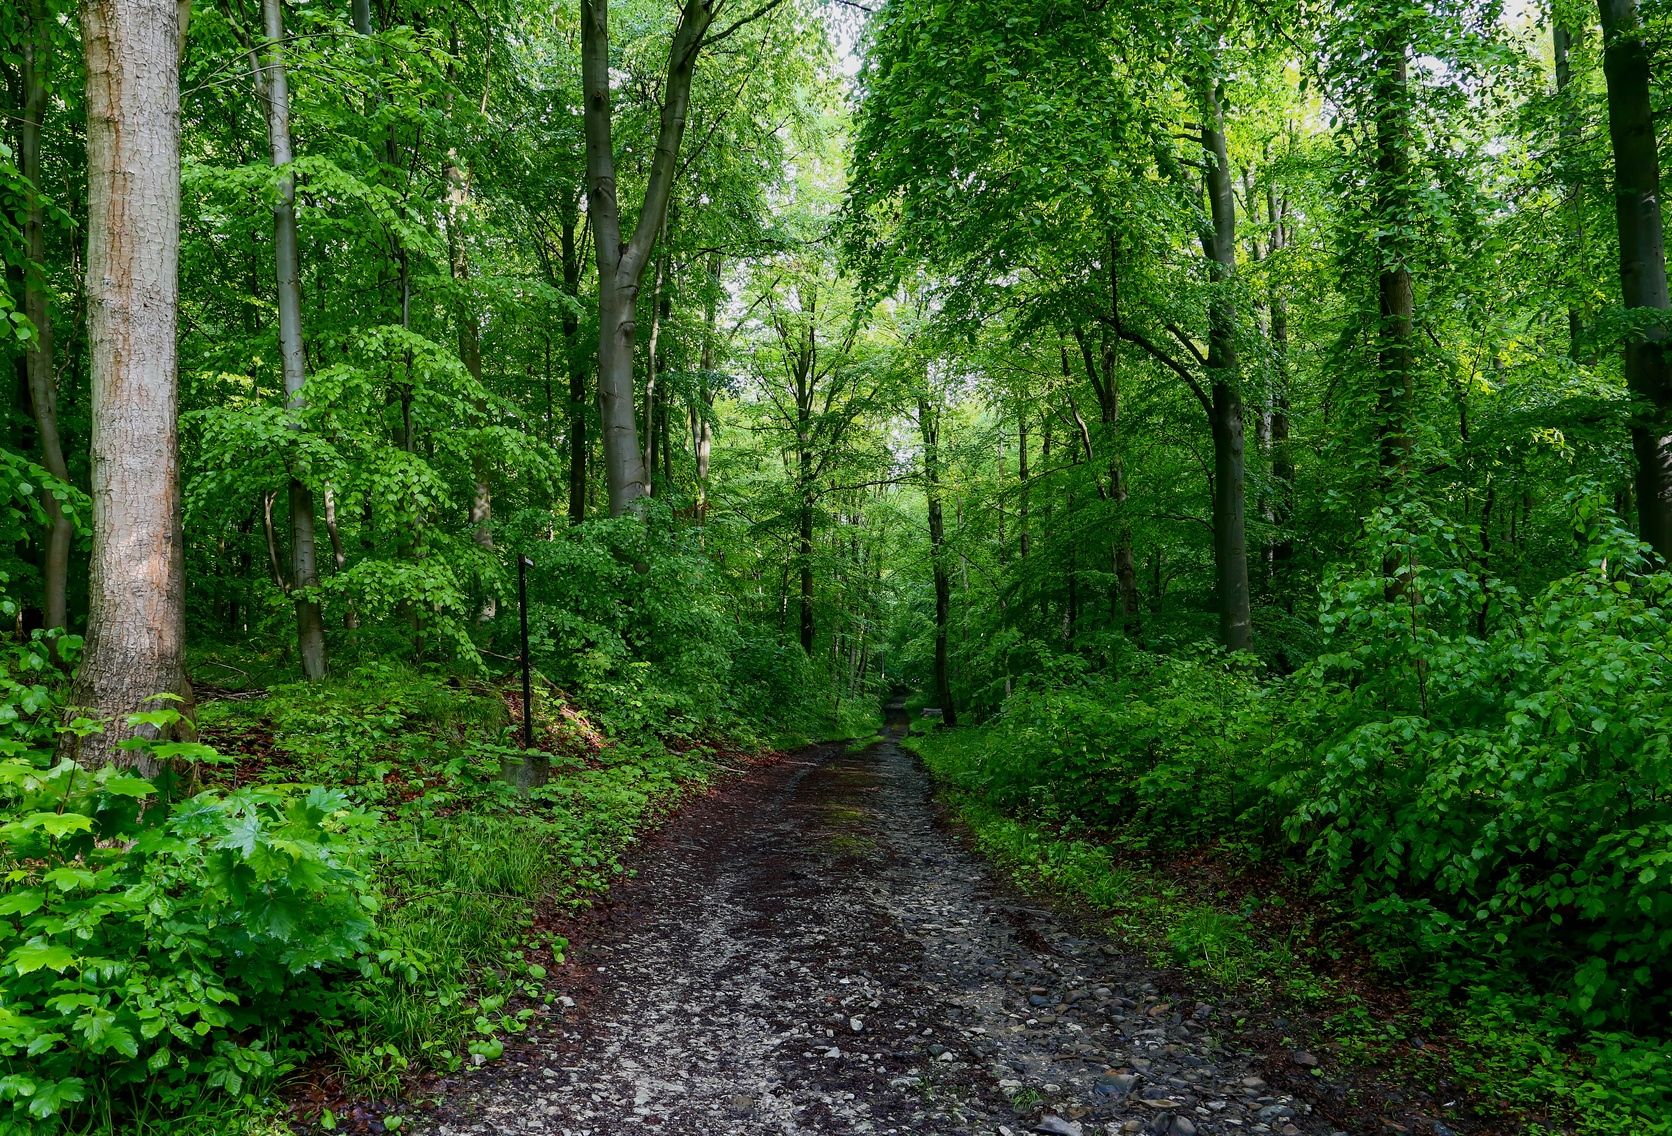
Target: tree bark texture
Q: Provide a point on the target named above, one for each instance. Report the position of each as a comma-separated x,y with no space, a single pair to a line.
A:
928,420
1643,286
470,354
1396,300
570,252
1230,526
273,88
136,620
621,264
38,362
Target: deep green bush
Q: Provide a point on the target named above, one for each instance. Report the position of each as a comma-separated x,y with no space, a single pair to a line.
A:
1155,743
1493,774
150,943
1485,778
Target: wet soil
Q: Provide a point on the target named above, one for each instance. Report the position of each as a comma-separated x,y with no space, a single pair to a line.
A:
813,950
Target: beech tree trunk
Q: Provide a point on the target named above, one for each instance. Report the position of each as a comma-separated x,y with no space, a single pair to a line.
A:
1643,286
702,432
1396,300
38,362
1230,526
928,421
621,264
1561,44
1281,548
136,619
804,561
470,354
1024,539
577,372
273,88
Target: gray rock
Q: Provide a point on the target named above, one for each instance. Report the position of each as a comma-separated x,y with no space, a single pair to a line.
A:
1057,1126
1115,1085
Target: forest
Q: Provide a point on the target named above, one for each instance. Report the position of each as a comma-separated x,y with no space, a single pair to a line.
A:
1159,512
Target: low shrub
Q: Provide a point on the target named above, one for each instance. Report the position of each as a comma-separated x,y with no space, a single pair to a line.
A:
1153,745
1490,776
152,943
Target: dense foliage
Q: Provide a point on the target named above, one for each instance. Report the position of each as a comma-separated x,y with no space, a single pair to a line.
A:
1228,409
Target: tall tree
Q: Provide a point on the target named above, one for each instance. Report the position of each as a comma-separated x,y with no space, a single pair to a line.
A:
1643,286
136,619
273,88
929,425
1219,243
622,263
1396,300
42,378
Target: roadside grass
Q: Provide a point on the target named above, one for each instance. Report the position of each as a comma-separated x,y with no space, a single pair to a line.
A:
474,878
1265,943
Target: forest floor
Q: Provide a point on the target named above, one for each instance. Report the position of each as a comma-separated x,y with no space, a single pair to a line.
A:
815,949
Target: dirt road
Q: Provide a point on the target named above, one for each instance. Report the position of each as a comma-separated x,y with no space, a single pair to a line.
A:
813,951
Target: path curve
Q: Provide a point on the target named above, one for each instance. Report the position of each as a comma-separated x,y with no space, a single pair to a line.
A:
812,952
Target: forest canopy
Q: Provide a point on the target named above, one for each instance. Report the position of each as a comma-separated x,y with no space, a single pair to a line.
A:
1243,424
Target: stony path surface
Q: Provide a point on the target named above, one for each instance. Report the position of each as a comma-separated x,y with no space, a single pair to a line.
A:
812,952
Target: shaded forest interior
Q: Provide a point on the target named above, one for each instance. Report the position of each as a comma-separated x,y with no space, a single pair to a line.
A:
1245,426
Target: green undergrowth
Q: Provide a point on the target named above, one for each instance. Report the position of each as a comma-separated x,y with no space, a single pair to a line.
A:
471,873
335,889
1272,946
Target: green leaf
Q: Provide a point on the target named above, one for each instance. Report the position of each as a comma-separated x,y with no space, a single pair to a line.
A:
39,954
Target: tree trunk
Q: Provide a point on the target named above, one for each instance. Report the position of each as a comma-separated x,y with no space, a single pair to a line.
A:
1396,300
1631,128
1561,48
1024,538
621,264
804,562
470,354
702,435
1230,530
1281,548
653,394
928,422
273,88
136,620
577,372
38,363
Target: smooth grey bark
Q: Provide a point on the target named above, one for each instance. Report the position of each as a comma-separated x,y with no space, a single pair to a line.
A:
621,265
571,256
660,308
38,361
1024,538
273,88
470,354
928,422
1396,299
1225,411
135,646
702,423
1561,43
1643,285
1282,505
1103,375
1214,377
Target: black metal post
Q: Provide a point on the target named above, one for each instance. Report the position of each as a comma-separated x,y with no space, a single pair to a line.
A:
523,565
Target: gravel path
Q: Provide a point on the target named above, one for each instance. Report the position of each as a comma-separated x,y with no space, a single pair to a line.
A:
811,951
